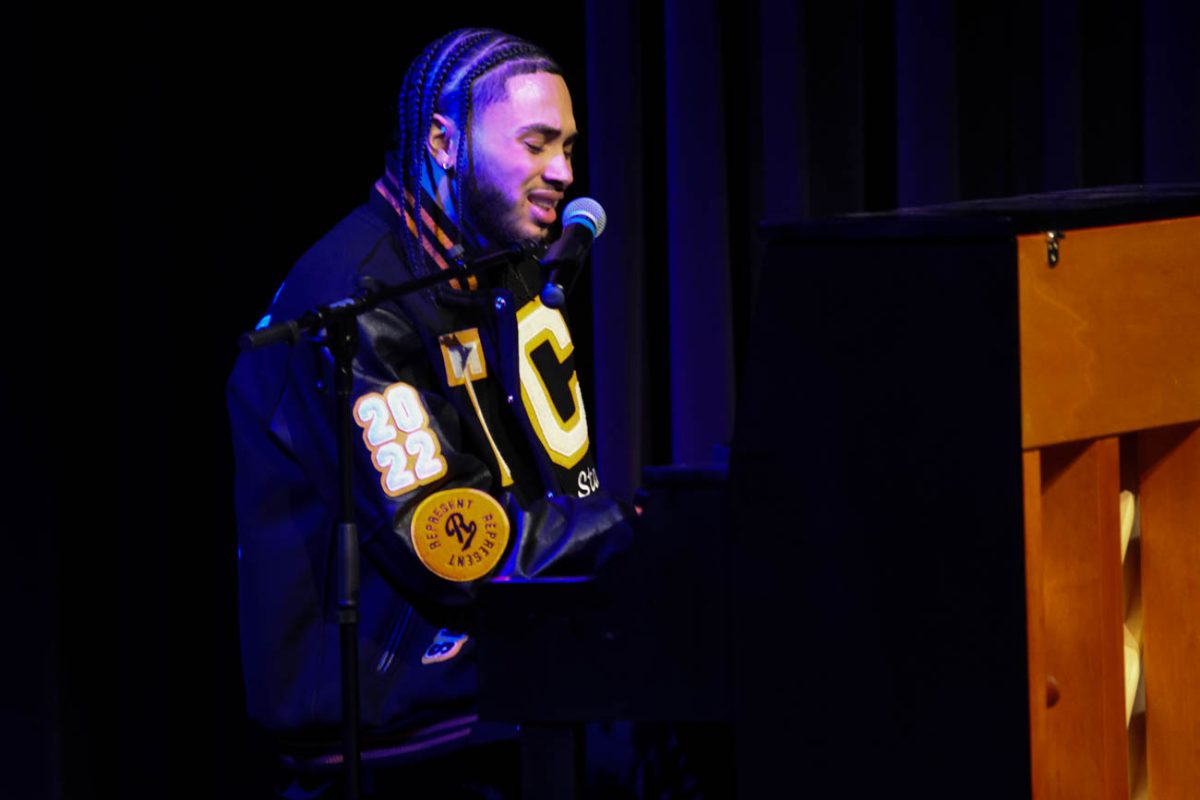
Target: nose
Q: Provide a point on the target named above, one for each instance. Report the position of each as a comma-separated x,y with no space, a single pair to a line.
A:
558,171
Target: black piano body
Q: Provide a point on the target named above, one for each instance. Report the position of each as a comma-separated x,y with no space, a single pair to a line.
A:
852,597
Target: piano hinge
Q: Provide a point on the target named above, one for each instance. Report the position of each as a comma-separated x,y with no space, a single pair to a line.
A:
1052,240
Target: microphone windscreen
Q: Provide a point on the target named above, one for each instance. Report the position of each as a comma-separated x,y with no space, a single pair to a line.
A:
585,211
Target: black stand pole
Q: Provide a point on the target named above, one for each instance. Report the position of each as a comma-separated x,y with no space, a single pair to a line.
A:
339,321
343,341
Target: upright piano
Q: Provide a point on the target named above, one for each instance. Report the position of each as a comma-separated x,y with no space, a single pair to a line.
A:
957,549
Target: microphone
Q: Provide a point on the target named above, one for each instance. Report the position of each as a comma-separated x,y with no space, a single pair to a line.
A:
583,222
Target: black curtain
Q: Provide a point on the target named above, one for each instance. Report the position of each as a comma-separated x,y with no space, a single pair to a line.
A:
827,109
168,174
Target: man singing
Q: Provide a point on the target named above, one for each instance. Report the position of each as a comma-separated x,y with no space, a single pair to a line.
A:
474,459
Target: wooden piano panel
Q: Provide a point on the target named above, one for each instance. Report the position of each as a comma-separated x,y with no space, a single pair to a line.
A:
1110,345
1170,496
1110,337
1077,710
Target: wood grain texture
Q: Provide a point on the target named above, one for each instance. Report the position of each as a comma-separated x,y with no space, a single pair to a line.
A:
1170,509
1031,463
1110,337
1084,745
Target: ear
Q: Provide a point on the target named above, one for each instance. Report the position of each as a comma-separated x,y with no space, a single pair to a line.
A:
443,136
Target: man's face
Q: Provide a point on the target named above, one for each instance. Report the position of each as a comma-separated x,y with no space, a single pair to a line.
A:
521,153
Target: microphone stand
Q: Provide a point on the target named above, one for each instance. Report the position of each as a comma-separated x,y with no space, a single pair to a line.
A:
338,320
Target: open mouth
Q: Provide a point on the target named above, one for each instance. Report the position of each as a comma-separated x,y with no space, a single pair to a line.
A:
542,206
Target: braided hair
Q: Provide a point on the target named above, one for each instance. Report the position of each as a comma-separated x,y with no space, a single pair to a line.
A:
458,75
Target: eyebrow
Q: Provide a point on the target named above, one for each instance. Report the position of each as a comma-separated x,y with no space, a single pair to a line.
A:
549,131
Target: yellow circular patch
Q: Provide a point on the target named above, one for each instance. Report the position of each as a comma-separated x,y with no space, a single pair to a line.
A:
460,534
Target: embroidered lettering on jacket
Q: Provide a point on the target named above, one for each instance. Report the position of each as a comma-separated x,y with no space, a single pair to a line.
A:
459,534
396,431
588,481
565,440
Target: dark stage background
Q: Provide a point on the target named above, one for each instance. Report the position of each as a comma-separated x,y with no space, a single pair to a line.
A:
170,172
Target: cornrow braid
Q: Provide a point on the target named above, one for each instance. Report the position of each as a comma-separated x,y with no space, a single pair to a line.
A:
428,103
413,78
441,79
414,115
410,99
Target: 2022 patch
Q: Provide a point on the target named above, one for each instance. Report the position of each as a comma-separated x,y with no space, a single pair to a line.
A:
396,430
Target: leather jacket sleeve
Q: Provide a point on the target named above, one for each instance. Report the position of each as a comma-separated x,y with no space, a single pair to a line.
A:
401,407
